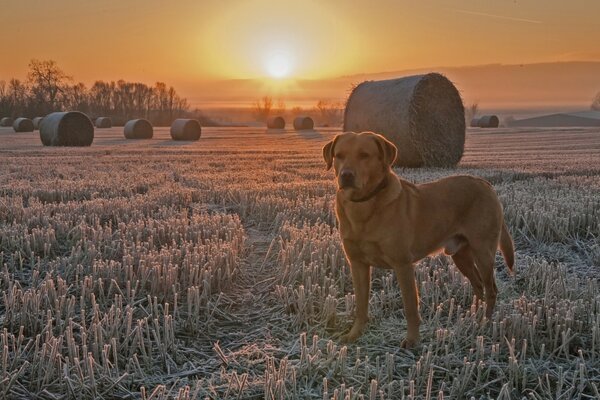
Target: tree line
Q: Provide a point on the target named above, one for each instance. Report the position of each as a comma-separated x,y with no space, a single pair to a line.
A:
47,89
325,112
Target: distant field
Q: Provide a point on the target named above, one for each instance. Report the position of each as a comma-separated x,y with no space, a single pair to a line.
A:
213,269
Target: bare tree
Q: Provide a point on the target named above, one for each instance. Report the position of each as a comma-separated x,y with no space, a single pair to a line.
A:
329,113
18,96
48,83
101,98
172,100
281,107
5,108
596,102
297,110
471,112
76,97
181,107
262,108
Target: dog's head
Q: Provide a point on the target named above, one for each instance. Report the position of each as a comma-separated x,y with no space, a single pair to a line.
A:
360,161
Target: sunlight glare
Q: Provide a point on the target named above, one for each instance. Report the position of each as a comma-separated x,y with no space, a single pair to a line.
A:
278,65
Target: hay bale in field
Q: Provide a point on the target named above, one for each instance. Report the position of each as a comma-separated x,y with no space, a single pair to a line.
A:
23,125
474,123
488,121
303,123
70,128
103,122
423,115
276,123
138,129
6,121
36,122
186,129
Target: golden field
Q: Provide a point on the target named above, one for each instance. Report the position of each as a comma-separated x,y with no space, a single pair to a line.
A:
156,269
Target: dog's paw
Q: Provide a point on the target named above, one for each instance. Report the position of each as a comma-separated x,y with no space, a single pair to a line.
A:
348,338
409,343
354,334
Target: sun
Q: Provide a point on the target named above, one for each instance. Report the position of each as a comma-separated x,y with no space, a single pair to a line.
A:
278,65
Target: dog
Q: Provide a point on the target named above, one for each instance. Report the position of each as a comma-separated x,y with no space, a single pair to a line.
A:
387,222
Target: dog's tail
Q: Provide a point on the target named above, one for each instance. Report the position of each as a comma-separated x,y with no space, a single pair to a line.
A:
507,247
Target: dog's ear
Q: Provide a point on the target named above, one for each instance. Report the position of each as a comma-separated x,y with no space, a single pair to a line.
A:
328,152
387,149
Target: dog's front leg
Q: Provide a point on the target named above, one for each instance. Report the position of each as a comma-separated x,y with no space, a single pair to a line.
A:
361,281
410,298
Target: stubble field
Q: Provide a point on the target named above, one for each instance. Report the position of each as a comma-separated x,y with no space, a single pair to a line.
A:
156,269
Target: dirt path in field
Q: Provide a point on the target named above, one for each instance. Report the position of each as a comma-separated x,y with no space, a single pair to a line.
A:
257,269
259,247
251,305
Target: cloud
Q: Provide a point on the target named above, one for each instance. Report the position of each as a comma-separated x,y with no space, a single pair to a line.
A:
502,17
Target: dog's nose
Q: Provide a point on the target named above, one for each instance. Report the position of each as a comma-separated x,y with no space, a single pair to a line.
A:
346,178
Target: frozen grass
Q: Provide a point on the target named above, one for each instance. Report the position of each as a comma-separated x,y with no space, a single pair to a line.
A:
214,270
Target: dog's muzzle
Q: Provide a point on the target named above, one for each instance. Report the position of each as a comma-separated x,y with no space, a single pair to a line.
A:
347,179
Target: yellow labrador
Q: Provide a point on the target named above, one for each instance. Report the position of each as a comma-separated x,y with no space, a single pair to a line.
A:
390,223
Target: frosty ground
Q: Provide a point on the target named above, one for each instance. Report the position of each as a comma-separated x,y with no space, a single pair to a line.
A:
213,269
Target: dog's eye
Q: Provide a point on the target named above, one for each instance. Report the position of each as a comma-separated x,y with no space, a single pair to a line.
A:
363,156
339,156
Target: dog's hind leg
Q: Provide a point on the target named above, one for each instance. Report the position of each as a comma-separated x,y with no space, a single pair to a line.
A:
484,258
466,264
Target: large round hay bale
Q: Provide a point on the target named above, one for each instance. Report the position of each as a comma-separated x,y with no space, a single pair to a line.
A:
276,123
103,122
303,123
474,123
186,129
6,121
423,115
23,125
138,129
36,122
70,128
488,121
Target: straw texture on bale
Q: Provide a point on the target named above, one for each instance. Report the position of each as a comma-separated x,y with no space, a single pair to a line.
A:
6,121
276,123
103,122
186,129
488,121
474,123
303,123
423,115
23,125
69,128
36,122
138,129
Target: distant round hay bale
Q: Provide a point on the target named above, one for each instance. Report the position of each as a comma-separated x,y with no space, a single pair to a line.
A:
103,122
488,121
423,115
36,122
69,128
138,129
276,123
303,123
474,123
23,125
186,129
6,121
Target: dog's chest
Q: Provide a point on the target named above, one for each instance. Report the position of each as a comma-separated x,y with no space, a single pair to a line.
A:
374,255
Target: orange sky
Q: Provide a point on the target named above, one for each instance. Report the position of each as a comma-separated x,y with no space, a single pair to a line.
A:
188,42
